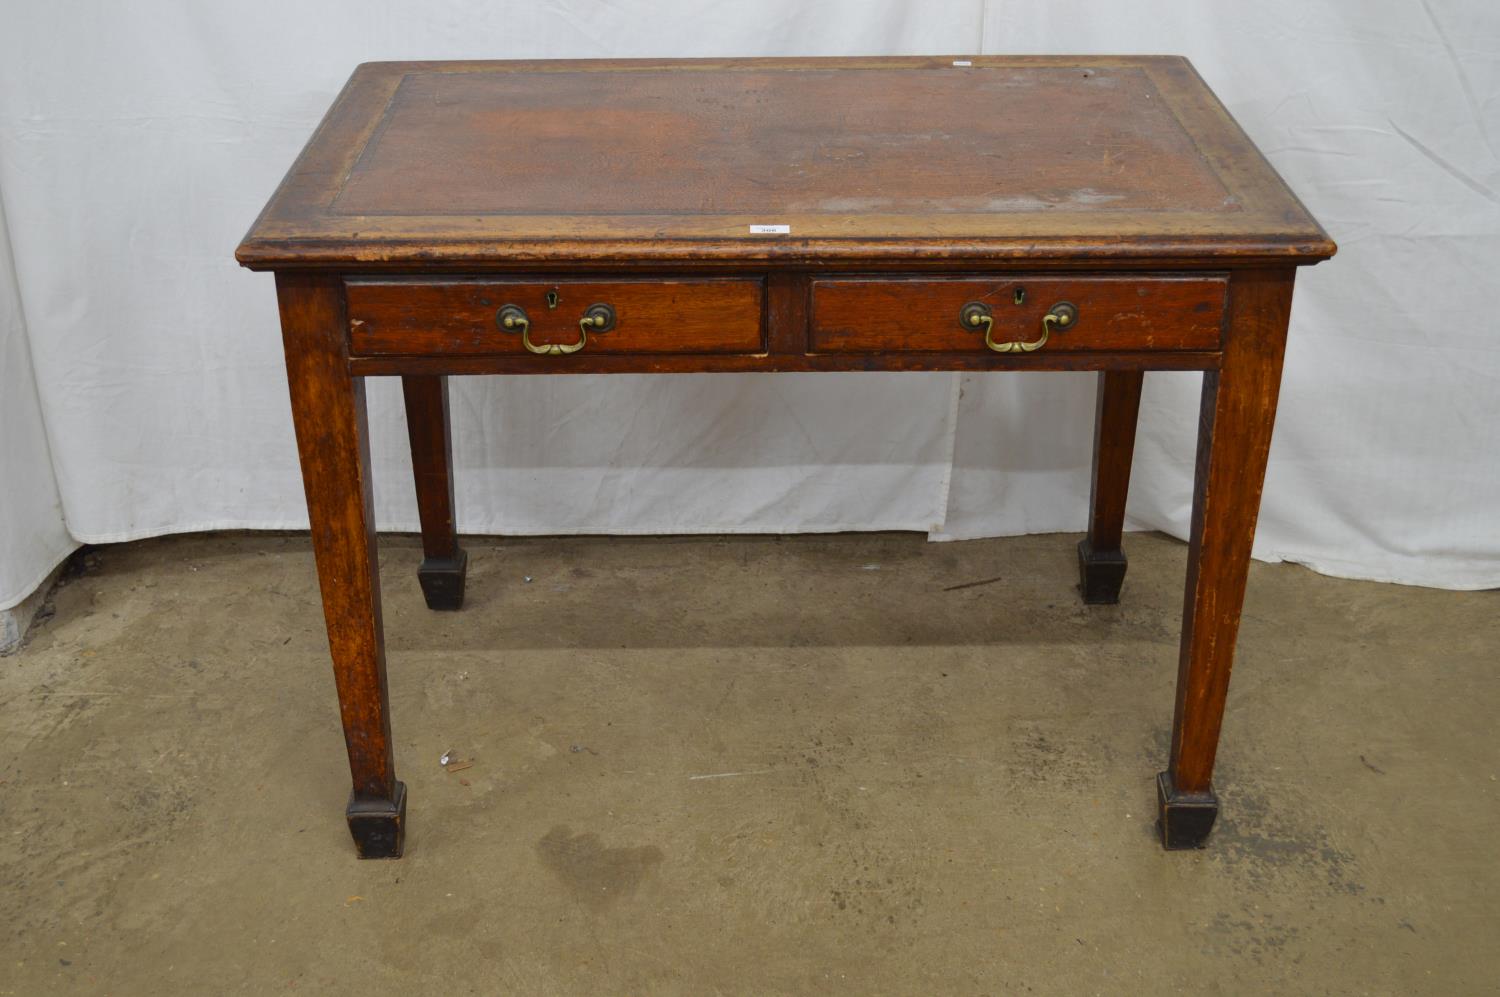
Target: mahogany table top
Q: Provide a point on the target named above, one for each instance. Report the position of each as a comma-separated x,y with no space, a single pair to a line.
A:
811,161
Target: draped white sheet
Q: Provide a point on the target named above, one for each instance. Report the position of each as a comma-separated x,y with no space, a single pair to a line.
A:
138,141
33,538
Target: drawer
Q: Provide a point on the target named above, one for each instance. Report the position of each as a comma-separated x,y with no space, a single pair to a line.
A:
464,317
1108,313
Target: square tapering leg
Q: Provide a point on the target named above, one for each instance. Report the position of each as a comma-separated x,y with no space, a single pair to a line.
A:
445,564
328,412
1236,414
1101,562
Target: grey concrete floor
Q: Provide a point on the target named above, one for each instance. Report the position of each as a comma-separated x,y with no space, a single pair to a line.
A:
744,766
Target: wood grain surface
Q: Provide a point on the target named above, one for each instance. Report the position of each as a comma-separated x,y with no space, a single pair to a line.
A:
1114,313
1236,416
328,411
859,159
457,318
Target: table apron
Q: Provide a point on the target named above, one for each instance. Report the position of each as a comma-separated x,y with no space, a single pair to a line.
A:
779,363
785,321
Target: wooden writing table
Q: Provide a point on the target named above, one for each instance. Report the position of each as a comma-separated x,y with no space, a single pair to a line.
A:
1044,213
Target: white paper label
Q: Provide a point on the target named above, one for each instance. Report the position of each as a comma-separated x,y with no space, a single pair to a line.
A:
770,230
963,62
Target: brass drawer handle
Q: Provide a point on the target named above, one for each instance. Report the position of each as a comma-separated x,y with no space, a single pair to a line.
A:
976,313
598,317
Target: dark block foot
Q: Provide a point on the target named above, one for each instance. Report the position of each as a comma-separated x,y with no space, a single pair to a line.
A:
1100,574
1184,819
378,826
442,580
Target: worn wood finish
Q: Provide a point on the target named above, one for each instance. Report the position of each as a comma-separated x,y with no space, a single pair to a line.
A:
786,318
683,363
896,191
1035,158
1234,441
459,317
795,140
328,411
880,314
444,564
1101,561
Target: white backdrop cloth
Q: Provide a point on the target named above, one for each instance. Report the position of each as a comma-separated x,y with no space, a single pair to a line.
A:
143,390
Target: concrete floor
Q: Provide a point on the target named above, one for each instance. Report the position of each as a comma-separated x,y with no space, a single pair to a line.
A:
744,765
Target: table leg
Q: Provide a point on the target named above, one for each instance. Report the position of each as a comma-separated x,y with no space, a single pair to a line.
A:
444,563
1234,439
328,410
1101,562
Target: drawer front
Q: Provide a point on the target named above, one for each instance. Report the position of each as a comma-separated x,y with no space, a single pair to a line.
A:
874,314
466,317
